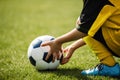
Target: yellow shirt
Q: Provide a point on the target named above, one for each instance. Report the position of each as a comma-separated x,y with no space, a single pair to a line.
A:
109,21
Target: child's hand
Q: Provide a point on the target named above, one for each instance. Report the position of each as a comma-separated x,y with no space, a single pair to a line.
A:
55,48
69,51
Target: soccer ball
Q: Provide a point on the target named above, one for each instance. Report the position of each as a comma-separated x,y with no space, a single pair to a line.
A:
37,54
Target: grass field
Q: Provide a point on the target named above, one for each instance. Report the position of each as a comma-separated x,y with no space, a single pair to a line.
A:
23,20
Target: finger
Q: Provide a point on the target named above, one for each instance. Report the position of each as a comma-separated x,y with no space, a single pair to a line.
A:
65,50
48,55
45,43
69,54
53,60
64,61
54,57
58,56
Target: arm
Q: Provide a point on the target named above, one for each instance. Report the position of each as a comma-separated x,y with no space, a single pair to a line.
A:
70,36
55,45
77,44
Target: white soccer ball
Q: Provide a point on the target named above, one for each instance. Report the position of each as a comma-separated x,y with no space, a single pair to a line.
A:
37,54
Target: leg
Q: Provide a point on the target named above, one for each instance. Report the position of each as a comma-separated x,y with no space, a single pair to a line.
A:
101,51
108,66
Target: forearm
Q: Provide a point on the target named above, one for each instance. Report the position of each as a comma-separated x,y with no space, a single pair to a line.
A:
78,44
70,36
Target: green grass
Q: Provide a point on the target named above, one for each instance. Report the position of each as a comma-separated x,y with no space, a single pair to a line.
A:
23,20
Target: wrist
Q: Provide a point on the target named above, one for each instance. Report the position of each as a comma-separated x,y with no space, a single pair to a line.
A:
77,44
57,41
73,47
60,40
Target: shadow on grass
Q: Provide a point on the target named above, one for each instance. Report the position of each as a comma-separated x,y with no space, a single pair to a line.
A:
74,72
118,78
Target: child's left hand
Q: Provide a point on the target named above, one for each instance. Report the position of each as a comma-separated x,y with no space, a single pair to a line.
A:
68,51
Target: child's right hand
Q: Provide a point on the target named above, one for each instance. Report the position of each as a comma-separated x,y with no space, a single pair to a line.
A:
55,48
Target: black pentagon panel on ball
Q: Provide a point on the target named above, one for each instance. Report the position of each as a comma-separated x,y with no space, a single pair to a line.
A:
32,61
50,58
36,45
52,39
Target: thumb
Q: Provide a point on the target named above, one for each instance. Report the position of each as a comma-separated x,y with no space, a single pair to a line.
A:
64,61
68,54
65,50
